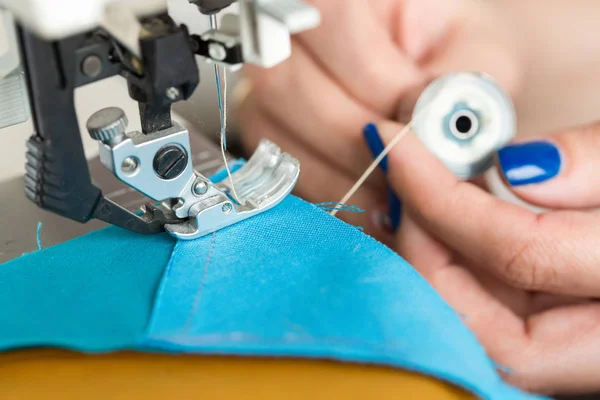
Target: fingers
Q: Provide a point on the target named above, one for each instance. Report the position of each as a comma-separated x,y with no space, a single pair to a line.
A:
495,325
406,105
426,23
357,48
555,172
477,39
319,181
301,98
554,351
561,354
540,302
420,250
555,252
433,260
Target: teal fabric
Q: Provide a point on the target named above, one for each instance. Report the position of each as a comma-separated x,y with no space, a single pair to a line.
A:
91,294
297,282
292,282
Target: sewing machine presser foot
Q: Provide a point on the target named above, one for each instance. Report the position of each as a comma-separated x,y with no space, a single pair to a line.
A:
188,204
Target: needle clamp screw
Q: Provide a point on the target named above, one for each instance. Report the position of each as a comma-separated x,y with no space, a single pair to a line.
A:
170,162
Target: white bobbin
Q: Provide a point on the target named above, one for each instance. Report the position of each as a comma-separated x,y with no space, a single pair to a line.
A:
464,118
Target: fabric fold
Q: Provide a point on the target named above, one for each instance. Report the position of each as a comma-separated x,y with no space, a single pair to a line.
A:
296,282
91,294
291,282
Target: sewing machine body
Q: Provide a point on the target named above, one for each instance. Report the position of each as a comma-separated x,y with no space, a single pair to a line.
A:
20,217
57,46
66,44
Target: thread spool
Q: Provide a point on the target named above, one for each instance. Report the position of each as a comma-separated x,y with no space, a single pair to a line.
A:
463,119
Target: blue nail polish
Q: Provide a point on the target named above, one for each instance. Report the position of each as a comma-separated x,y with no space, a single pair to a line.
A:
371,134
529,163
395,209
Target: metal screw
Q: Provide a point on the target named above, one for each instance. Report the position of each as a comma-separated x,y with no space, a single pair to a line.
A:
92,66
108,125
129,165
216,51
200,188
172,93
227,207
170,162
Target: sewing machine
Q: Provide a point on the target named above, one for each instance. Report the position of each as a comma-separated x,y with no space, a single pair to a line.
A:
68,44
64,45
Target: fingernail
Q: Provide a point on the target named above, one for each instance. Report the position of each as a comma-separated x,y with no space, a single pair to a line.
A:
529,163
395,209
382,221
371,134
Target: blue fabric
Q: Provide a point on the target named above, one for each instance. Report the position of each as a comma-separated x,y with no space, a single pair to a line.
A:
298,282
91,294
291,282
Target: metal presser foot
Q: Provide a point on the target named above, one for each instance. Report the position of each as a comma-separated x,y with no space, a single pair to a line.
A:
159,165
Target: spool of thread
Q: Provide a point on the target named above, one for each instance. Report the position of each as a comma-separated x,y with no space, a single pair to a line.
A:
464,119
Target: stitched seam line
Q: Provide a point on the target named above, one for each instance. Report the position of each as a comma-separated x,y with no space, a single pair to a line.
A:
198,296
154,316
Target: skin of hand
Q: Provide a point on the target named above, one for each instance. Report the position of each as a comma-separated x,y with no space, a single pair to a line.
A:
369,60
525,282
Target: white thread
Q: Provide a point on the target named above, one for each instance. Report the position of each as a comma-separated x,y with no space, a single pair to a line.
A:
223,133
223,114
385,152
224,99
374,165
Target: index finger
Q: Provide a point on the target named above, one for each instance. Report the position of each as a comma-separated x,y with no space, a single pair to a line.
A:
354,45
554,252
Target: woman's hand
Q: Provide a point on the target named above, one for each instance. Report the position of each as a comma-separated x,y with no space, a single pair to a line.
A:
368,60
524,282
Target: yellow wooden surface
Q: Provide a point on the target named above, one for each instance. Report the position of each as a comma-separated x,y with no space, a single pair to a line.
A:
54,374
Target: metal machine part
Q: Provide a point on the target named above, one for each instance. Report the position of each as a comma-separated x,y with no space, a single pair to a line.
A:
212,6
14,104
464,119
138,40
159,165
57,19
260,34
57,175
262,183
23,216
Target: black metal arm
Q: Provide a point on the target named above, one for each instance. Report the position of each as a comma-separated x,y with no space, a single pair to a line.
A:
212,6
57,175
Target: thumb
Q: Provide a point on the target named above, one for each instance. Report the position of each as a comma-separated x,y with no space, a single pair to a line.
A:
558,171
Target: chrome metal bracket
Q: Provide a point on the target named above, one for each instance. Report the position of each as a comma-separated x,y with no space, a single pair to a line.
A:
262,183
159,165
